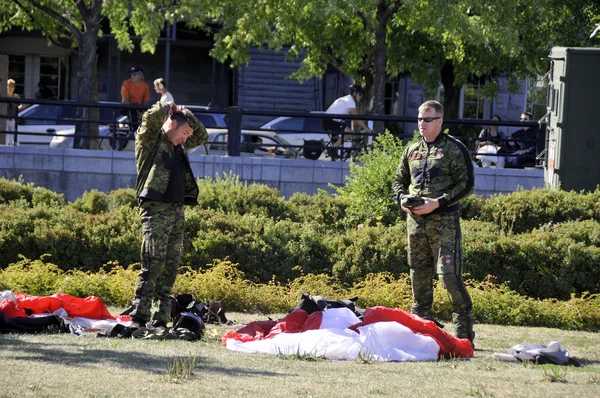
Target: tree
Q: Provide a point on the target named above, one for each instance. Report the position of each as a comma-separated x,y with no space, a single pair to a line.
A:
312,28
78,24
370,40
494,39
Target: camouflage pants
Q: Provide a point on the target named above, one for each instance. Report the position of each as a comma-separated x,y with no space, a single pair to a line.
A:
434,247
163,225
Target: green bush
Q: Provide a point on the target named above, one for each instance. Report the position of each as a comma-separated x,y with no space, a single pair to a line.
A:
92,202
524,211
492,303
368,250
264,248
384,289
541,264
122,197
14,190
368,186
224,281
34,277
74,239
11,190
322,209
228,194
115,286
276,240
500,305
18,230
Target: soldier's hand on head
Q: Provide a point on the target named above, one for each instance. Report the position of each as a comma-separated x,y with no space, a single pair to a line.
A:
174,108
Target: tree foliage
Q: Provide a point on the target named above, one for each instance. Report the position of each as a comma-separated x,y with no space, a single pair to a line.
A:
432,40
78,24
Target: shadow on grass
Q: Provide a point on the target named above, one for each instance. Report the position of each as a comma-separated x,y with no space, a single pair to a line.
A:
588,362
78,355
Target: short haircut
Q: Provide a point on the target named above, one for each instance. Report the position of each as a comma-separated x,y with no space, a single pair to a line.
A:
528,114
185,116
432,104
496,116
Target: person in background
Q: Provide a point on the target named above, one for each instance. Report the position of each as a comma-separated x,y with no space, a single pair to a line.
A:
434,174
44,92
345,105
257,143
491,135
523,143
12,110
135,91
161,88
490,142
164,184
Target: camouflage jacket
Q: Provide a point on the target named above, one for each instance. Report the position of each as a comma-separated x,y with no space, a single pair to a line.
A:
441,170
154,157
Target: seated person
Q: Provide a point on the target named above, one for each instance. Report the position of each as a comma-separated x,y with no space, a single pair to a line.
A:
345,105
491,141
257,143
523,143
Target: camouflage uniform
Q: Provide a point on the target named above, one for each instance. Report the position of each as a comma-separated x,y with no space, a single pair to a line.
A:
163,223
440,170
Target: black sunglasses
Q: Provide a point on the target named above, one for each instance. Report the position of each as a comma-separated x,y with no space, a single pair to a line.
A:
427,119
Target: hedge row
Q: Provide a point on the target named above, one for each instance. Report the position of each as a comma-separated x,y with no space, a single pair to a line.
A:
511,237
492,303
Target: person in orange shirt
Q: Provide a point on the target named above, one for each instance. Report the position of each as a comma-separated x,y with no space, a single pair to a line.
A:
135,91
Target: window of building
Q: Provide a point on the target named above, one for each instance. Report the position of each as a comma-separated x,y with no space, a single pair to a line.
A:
16,71
51,76
537,96
29,71
473,101
392,87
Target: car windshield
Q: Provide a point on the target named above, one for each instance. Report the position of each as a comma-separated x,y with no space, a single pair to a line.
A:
292,123
52,113
46,114
208,120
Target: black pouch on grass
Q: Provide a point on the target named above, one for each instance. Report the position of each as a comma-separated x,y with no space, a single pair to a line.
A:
212,312
312,304
188,326
31,325
186,302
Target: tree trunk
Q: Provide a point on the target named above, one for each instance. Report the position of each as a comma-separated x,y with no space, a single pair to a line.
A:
451,94
379,61
365,102
87,90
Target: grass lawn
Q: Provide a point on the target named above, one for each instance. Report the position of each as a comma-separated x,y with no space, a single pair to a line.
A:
62,365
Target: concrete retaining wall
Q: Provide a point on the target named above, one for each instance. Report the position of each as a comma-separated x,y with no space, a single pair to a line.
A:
74,171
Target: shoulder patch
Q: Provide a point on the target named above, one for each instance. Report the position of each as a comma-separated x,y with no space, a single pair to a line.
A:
416,155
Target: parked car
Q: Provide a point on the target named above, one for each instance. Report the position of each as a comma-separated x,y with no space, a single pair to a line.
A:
296,129
112,138
210,120
121,138
45,120
253,144
307,132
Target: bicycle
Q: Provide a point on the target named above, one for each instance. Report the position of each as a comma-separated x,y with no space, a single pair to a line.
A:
334,148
